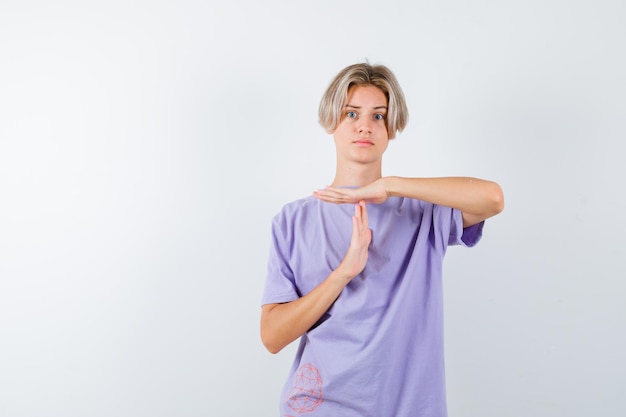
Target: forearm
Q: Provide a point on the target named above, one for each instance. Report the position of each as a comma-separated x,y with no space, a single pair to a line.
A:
281,324
470,195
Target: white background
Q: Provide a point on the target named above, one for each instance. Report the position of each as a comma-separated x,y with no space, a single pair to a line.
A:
145,146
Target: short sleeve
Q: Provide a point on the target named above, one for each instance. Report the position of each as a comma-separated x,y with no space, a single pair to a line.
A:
280,282
468,236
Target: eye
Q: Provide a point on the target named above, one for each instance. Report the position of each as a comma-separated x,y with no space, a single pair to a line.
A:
379,116
351,114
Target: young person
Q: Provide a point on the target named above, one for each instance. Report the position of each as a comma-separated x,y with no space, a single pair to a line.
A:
355,269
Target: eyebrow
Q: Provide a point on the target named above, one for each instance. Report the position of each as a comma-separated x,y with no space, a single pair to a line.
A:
358,107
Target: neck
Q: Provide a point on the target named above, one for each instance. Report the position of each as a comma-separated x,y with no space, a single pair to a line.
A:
356,175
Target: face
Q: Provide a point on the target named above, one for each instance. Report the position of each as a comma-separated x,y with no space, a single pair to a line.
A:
361,135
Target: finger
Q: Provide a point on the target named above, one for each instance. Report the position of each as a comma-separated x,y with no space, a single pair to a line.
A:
343,193
326,197
332,195
365,218
356,230
357,212
355,226
337,194
330,192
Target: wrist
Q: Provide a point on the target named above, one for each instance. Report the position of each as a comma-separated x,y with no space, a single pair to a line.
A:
341,276
390,184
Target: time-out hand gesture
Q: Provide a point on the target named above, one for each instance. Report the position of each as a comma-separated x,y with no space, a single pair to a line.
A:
356,256
374,192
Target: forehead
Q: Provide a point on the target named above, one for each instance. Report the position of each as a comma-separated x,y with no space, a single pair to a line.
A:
366,95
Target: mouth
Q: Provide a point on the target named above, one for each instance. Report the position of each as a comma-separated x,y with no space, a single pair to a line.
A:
363,142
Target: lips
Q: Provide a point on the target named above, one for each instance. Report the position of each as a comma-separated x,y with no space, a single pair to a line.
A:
364,142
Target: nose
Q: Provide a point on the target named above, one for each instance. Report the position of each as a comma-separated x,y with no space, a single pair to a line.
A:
365,128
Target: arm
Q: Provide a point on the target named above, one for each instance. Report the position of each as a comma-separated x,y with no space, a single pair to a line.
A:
283,323
477,199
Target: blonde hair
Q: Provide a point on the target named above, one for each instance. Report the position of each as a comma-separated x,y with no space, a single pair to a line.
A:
335,96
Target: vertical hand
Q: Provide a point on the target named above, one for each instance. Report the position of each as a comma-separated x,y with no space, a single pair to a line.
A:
355,259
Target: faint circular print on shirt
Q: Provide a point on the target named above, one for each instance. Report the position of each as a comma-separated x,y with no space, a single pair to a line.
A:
306,393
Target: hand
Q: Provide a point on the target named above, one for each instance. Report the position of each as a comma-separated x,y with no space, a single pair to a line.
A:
356,256
374,192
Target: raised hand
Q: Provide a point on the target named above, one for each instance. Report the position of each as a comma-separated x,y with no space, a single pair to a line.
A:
282,323
374,192
356,257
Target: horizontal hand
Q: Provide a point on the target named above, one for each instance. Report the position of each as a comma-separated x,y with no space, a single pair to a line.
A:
371,193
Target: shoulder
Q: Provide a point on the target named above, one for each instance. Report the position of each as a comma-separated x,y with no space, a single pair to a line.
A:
295,212
299,206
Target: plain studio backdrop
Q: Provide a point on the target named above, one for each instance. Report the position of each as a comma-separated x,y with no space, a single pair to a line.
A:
145,147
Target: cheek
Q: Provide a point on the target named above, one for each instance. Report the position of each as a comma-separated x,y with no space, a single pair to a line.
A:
384,132
341,129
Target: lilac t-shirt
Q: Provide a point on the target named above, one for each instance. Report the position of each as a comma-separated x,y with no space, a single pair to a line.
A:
378,351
